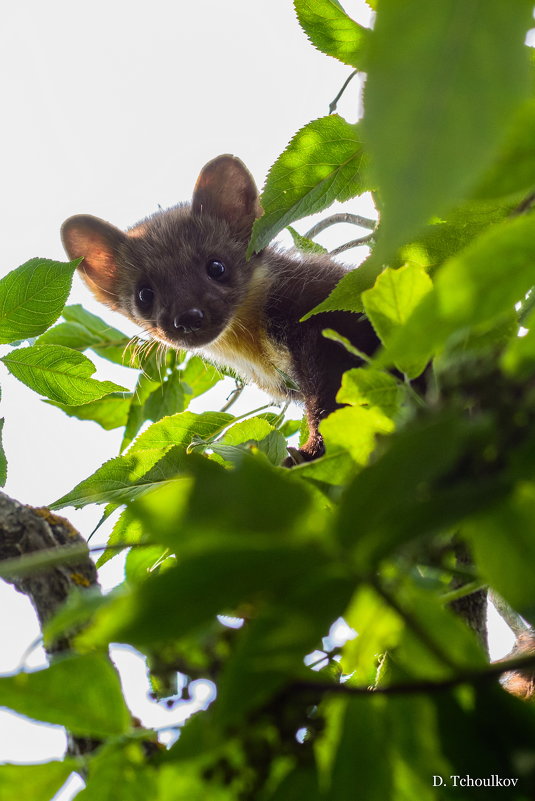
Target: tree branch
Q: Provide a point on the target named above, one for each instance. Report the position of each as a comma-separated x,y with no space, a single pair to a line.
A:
30,538
406,688
26,532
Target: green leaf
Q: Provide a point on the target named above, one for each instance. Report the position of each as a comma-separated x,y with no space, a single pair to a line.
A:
103,331
302,782
35,782
390,303
189,782
256,433
322,163
303,244
346,295
364,386
443,644
169,398
77,610
32,297
126,531
3,458
137,414
75,336
407,472
432,129
182,429
235,502
475,287
363,745
355,429
503,544
109,412
70,335
119,773
378,629
331,30
141,562
125,477
514,169
290,427
270,649
199,376
332,470
448,235
61,374
82,693
82,330
203,584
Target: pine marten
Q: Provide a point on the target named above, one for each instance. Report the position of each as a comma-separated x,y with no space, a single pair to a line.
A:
182,274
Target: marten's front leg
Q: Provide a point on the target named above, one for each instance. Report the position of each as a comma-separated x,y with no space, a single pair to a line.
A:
319,364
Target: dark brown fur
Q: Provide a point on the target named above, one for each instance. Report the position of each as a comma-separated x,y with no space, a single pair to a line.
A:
250,316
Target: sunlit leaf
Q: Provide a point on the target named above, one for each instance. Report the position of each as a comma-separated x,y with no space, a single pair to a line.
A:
109,412
82,693
364,386
431,131
390,303
32,297
331,30
61,374
38,782
125,477
324,162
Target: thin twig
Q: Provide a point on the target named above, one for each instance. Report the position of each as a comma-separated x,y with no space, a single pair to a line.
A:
333,104
29,564
342,217
355,243
462,592
232,398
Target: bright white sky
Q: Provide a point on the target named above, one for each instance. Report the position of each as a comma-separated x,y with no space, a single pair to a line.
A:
111,108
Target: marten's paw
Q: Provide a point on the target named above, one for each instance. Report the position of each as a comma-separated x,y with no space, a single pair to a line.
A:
300,455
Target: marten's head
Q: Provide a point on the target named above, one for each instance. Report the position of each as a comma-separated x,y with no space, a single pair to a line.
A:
181,273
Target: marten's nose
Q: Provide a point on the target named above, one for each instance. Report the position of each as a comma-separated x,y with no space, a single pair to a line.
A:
189,321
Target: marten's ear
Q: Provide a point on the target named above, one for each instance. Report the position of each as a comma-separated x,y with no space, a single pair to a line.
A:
99,243
226,189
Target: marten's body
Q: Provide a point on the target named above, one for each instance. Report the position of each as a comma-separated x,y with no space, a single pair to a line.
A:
183,276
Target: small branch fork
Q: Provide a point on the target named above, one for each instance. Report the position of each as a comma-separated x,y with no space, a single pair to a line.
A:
344,217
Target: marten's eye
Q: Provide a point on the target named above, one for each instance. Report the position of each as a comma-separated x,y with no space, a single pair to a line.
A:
145,296
215,269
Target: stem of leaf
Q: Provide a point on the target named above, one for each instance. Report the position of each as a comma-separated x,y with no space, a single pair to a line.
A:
333,104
